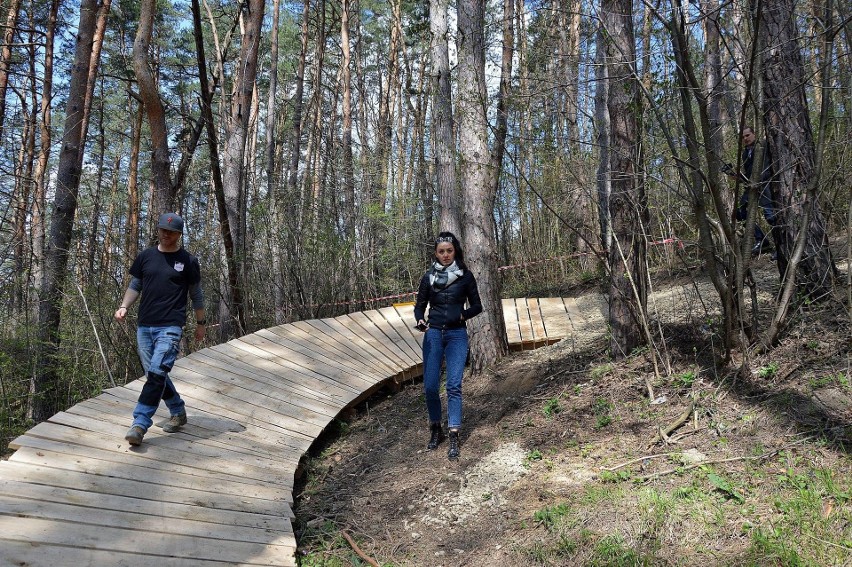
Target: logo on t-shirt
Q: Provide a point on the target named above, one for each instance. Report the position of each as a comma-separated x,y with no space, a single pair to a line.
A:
178,266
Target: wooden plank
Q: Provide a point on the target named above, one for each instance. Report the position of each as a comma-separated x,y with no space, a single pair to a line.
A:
365,342
321,345
211,431
406,313
321,371
220,381
338,339
307,378
104,429
297,393
393,336
524,323
338,365
26,506
241,401
50,455
278,525
269,372
142,488
405,329
539,333
188,457
366,327
227,415
90,536
510,318
199,428
557,322
33,554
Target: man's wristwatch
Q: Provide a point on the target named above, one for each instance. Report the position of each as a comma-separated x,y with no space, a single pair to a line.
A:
201,322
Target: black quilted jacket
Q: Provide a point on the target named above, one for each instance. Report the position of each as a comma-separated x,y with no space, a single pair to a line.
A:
446,306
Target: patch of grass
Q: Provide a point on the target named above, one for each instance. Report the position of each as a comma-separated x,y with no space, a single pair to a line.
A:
551,407
612,551
601,409
725,487
684,380
768,371
550,515
598,372
838,379
615,476
773,547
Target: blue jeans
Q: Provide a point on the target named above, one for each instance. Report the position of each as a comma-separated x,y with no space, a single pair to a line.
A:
158,349
450,344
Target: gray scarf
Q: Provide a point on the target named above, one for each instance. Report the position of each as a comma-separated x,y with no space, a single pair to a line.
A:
442,276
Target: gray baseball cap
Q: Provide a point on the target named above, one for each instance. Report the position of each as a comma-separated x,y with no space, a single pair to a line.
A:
171,221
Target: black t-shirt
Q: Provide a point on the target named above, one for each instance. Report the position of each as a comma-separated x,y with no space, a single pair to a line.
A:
166,278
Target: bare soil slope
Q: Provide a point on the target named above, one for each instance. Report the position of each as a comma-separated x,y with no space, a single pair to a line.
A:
559,465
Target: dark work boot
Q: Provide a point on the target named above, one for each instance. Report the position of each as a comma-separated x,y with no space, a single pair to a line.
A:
453,451
437,436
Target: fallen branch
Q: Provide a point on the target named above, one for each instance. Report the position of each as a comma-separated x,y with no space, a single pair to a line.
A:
685,468
663,433
357,550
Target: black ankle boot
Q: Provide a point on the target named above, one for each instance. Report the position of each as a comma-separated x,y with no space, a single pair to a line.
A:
453,451
437,436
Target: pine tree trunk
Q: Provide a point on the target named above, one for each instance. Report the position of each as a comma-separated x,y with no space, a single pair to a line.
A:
791,147
45,397
443,139
487,331
627,205
45,138
164,197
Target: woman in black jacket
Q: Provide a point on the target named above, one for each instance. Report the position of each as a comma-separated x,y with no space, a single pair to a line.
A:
445,287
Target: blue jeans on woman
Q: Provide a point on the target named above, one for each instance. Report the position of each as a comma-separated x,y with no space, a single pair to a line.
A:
440,344
158,349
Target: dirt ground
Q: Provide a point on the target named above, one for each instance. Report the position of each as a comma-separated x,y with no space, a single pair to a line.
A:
558,457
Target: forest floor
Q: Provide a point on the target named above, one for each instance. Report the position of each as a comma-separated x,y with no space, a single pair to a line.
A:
560,466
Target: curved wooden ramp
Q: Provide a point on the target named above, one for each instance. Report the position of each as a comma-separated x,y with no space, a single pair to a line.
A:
220,491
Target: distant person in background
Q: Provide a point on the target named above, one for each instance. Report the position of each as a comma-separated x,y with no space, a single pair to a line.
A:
761,241
165,275
445,288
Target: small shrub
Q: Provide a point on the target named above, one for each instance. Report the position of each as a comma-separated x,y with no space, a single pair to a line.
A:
684,380
768,371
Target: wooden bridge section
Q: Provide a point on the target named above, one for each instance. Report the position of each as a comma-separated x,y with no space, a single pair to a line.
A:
220,491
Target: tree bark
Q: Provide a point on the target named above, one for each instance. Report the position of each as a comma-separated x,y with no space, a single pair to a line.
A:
45,138
346,142
443,138
164,194
487,331
237,130
791,147
6,55
627,205
234,288
45,397
602,126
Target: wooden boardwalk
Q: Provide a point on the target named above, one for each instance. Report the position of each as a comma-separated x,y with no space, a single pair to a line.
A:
220,491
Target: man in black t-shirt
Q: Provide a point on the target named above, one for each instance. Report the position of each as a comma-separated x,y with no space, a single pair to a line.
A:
164,275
